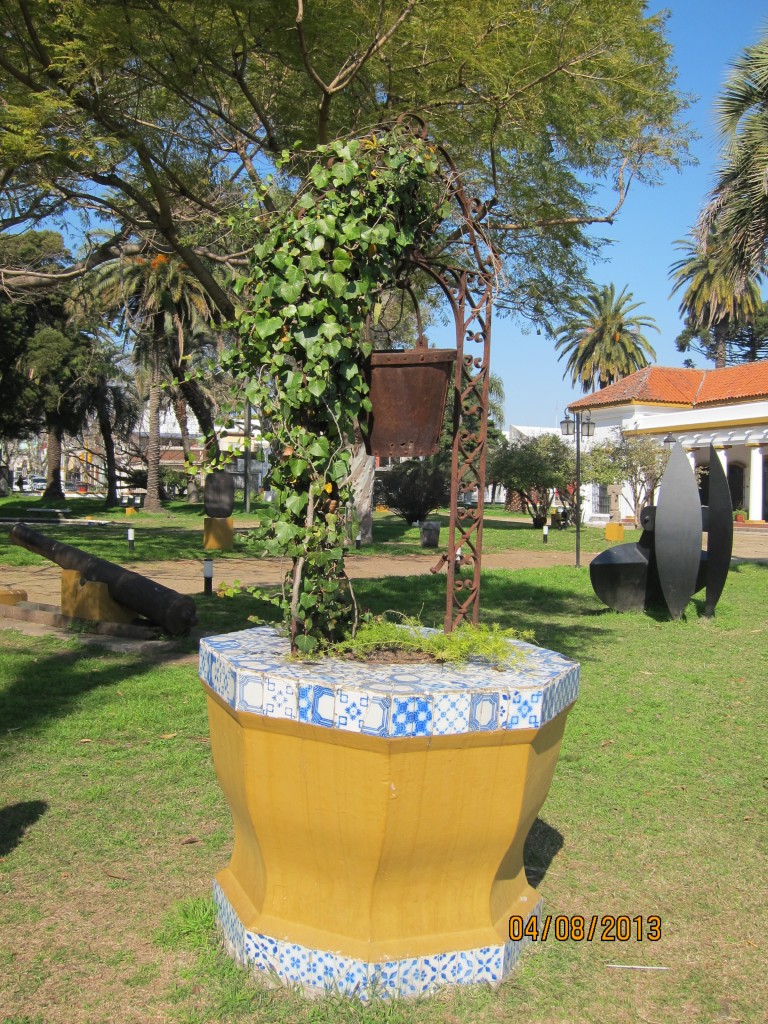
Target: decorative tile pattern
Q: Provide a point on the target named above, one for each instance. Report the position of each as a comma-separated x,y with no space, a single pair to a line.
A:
316,705
251,671
315,970
484,712
411,716
450,714
230,924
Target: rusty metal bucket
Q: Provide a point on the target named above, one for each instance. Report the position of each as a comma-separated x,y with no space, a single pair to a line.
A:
408,391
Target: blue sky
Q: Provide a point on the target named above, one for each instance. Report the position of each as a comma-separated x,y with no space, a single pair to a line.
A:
706,35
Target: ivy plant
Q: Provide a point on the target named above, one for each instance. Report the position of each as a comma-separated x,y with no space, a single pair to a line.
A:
318,270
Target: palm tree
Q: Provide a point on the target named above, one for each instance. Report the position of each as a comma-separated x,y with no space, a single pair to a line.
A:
164,306
713,299
113,400
496,399
739,202
602,339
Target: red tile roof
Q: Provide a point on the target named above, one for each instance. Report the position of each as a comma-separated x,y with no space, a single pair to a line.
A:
669,385
734,383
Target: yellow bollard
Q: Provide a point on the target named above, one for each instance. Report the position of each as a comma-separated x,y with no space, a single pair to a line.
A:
218,534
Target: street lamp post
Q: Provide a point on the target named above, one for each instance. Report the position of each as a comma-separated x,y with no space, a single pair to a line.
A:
247,459
580,427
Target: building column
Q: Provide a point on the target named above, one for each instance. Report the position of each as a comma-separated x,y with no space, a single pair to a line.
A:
755,483
722,454
691,453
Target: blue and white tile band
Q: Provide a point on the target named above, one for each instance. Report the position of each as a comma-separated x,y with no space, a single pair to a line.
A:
250,671
322,971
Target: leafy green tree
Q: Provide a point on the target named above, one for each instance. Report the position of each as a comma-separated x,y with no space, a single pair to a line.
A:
19,409
20,404
713,300
59,361
46,358
603,338
536,468
636,462
749,342
159,116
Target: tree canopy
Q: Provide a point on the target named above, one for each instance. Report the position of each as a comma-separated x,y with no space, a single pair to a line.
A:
638,463
713,300
743,342
153,119
536,468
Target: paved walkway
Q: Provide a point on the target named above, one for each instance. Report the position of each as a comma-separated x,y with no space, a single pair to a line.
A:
42,583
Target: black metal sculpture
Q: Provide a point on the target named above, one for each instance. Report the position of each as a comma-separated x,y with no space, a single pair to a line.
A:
667,564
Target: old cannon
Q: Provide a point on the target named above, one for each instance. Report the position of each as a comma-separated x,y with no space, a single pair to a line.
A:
175,613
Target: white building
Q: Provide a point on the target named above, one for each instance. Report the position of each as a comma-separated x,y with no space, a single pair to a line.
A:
727,408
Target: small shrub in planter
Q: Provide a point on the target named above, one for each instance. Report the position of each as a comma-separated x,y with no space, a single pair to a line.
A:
415,488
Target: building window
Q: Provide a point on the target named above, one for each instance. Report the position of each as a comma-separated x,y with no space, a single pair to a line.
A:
601,502
736,484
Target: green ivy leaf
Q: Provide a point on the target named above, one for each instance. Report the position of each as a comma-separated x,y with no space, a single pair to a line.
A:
297,466
285,532
306,644
289,292
319,449
266,328
337,284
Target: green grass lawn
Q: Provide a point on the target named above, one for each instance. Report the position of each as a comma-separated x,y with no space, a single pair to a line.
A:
177,533
112,824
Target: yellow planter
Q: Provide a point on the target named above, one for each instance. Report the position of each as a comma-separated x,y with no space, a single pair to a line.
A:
380,812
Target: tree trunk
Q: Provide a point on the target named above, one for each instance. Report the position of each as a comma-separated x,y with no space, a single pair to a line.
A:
105,428
361,476
721,334
180,410
202,409
53,489
152,502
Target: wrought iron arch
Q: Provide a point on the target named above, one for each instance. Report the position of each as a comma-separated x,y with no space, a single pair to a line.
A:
469,290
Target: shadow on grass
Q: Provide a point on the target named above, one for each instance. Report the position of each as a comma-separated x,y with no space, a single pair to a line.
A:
541,847
741,563
15,819
230,614
47,684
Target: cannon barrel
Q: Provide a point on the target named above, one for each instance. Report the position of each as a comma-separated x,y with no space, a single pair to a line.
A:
175,612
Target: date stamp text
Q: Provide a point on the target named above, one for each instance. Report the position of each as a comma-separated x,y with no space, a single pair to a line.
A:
575,928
